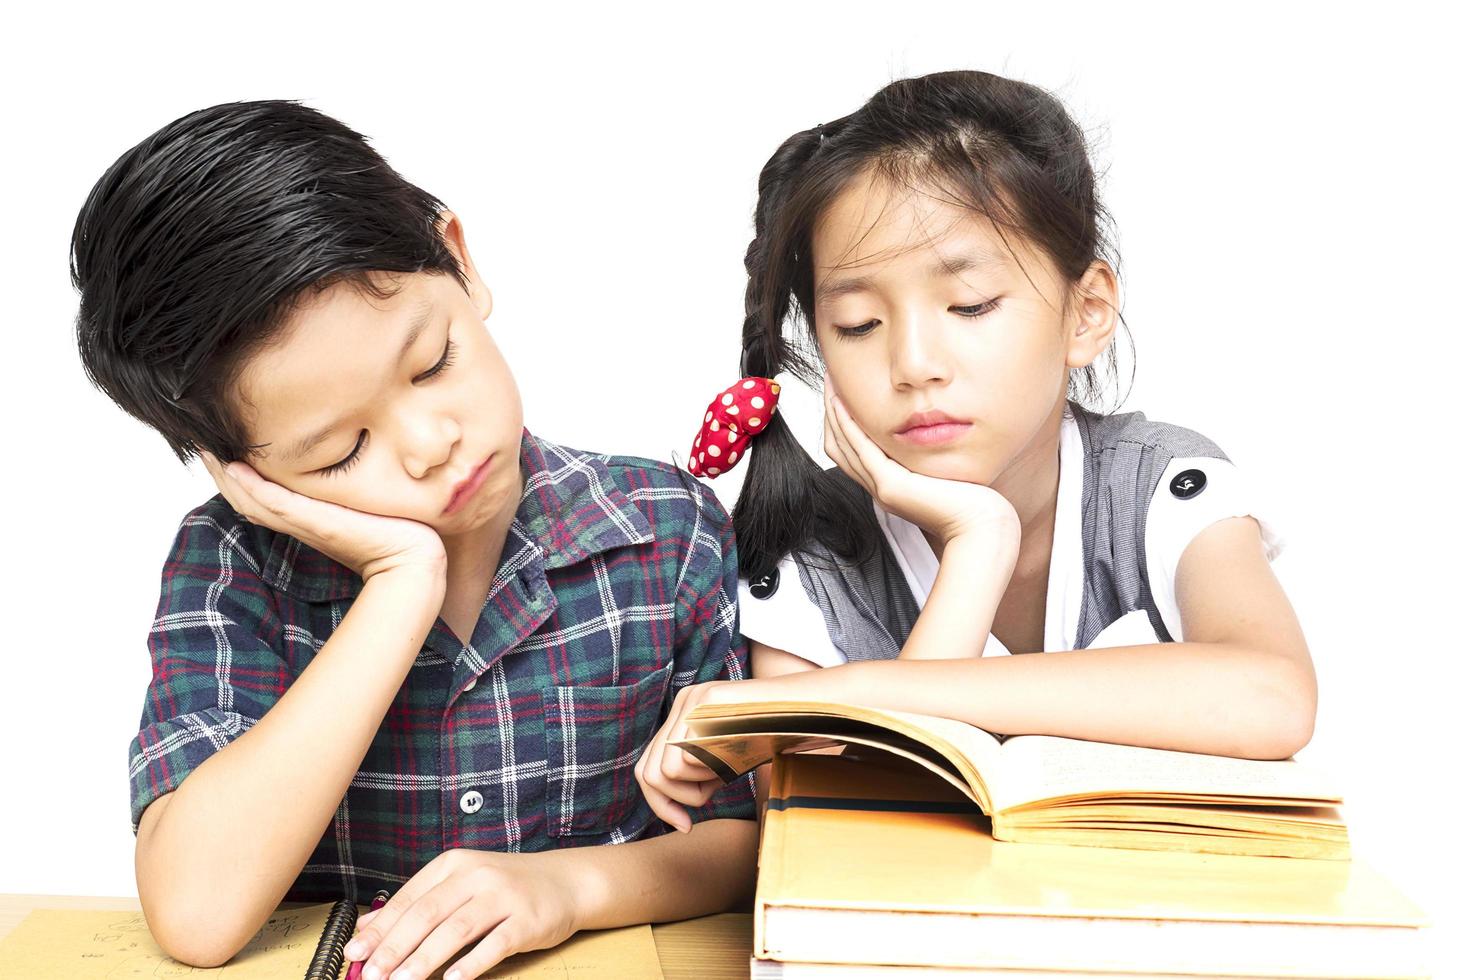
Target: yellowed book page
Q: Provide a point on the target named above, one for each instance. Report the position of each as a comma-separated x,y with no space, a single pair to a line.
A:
742,753
974,752
903,861
1041,767
82,945
1149,837
1322,823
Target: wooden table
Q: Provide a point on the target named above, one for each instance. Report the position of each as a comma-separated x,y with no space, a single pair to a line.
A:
716,947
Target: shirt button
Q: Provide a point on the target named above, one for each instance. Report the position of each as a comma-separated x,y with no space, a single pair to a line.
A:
471,802
471,685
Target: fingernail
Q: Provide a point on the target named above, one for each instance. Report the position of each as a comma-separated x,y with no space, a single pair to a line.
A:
402,974
355,949
452,975
372,972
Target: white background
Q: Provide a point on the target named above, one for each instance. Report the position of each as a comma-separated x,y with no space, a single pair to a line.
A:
1288,186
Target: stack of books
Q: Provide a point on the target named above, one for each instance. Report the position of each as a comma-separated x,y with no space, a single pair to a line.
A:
930,848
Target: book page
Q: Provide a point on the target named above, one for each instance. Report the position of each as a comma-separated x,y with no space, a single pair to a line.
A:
88,945
972,753
742,753
1042,767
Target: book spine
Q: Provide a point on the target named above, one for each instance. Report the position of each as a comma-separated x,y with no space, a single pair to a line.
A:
772,854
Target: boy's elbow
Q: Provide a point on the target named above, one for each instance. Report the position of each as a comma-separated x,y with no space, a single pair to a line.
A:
202,930
195,936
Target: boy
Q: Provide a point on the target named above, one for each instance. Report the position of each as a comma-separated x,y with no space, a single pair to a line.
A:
410,645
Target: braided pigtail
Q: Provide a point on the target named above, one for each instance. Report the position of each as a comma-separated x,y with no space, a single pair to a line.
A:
785,500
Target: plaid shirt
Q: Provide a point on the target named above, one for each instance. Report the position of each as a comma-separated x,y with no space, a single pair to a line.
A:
615,589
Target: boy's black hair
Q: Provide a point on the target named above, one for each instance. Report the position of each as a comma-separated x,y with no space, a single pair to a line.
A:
1003,149
195,246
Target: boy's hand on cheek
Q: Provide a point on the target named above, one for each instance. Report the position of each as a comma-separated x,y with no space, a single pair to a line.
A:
949,509
498,903
369,544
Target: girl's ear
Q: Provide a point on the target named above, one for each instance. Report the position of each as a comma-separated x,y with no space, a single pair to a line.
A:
451,229
1094,317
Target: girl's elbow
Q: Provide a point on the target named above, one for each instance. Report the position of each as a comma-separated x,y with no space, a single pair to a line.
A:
1292,719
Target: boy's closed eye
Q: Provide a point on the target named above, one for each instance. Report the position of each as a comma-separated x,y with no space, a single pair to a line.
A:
342,465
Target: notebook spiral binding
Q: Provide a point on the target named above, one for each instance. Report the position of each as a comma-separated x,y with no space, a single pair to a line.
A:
326,964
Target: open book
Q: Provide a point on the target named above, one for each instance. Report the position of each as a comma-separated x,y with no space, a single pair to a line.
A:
1046,789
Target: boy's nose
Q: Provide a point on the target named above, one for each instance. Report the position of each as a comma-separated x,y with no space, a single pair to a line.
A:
428,442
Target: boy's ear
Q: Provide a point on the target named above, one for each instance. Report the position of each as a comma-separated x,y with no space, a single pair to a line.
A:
451,229
1094,318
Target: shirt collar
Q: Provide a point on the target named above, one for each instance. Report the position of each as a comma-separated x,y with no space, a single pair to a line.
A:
570,507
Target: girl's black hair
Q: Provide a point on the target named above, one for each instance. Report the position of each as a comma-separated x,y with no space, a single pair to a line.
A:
195,246
1005,149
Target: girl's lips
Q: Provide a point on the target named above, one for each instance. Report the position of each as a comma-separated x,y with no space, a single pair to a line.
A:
933,435
467,489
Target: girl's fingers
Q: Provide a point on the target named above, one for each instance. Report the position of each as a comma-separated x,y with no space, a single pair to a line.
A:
845,441
833,443
653,787
872,459
692,794
681,767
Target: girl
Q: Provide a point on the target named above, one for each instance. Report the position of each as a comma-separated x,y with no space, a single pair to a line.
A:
943,247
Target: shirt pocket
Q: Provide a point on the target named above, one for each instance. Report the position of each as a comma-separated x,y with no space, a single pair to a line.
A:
594,737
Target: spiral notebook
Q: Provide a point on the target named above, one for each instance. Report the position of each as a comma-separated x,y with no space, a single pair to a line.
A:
93,945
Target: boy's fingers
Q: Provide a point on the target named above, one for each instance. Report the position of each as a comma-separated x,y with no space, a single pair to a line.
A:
502,941
414,926
385,917
465,925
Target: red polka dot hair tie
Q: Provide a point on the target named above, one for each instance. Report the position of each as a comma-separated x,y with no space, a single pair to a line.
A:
739,412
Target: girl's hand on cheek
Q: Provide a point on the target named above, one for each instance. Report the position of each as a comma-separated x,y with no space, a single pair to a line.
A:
368,544
948,509
498,904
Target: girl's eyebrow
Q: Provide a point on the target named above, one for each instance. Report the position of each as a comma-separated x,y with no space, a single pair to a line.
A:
416,326
945,265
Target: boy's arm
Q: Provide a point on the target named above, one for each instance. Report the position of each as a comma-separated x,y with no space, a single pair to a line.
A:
240,766
537,900
216,855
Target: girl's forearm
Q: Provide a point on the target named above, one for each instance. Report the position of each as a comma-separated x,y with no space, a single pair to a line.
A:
1214,698
960,610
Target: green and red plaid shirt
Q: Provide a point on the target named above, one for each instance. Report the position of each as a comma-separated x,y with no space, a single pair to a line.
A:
615,589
